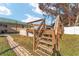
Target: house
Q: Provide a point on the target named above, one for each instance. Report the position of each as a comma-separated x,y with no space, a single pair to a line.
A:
10,25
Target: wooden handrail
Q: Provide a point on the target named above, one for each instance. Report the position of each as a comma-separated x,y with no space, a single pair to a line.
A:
42,26
34,21
37,25
37,31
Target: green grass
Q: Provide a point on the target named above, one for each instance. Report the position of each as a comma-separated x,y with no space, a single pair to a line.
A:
26,42
5,49
70,45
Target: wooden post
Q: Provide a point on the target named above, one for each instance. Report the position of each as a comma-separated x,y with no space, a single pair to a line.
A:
33,39
53,38
44,24
58,32
53,43
58,42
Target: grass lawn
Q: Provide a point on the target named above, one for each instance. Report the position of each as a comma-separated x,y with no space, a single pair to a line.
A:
26,42
70,45
5,49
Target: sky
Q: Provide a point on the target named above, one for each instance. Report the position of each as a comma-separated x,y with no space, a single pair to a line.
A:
20,11
24,12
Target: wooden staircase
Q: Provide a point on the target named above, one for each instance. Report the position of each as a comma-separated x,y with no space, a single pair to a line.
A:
46,40
45,43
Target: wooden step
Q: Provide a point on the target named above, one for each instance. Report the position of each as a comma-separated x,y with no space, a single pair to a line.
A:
46,42
46,49
49,27
48,31
47,34
47,38
41,53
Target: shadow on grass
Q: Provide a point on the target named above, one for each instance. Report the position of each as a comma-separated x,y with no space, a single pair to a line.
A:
8,50
56,53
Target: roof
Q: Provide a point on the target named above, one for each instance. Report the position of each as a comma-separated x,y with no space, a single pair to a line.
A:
7,20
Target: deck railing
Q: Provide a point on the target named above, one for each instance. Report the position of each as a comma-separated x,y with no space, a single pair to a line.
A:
37,32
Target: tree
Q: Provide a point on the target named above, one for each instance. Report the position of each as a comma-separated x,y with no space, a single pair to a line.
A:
68,11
